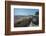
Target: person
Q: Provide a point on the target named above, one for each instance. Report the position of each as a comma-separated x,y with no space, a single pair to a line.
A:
35,20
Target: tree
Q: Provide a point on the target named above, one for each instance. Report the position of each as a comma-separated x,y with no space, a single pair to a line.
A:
37,13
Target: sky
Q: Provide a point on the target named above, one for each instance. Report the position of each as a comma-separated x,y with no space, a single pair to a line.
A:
26,12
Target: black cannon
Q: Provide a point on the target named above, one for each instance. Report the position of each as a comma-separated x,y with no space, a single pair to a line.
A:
23,23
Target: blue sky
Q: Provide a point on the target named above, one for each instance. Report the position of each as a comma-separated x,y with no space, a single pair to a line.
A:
26,12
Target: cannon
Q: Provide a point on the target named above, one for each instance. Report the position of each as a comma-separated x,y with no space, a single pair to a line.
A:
23,22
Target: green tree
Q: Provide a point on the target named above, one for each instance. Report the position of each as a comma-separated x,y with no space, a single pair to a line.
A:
37,13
